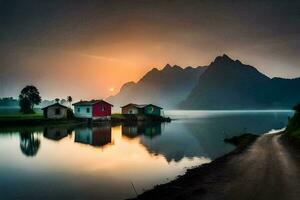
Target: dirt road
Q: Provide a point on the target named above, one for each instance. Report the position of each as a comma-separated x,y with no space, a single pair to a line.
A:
268,170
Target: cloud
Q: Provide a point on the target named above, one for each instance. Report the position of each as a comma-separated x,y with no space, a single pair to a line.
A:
112,42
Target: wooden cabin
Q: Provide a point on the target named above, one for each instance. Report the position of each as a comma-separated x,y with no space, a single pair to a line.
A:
144,109
94,109
55,111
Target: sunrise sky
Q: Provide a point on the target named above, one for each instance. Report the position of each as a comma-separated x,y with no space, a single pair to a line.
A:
88,49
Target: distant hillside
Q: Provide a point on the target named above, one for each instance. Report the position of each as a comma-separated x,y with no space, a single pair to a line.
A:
166,87
9,102
12,102
229,84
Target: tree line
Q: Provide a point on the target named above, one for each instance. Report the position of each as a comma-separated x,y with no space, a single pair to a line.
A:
30,96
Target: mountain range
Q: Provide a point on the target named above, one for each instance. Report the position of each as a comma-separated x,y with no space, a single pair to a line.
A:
223,84
166,87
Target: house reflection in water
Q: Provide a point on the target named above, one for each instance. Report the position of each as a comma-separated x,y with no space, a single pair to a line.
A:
96,136
57,133
147,129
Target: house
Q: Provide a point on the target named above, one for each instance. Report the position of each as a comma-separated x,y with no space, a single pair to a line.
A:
144,109
55,111
131,108
94,109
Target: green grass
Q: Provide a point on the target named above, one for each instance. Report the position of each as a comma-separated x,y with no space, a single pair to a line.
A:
242,140
14,114
11,117
21,117
293,128
295,135
118,116
15,111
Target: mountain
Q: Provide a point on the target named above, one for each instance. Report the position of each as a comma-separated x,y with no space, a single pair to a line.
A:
166,87
230,84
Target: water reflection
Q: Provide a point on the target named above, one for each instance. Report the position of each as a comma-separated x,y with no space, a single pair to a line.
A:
57,133
95,136
201,136
29,143
142,153
150,130
203,133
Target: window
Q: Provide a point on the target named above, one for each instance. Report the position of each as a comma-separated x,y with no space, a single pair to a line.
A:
102,108
88,110
151,109
78,109
57,111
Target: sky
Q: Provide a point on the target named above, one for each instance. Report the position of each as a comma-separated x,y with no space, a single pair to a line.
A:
90,48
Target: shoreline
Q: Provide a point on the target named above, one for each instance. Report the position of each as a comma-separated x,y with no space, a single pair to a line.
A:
7,122
26,121
197,175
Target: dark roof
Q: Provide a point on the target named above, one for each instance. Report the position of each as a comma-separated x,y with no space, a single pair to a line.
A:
56,104
135,105
154,106
140,105
89,103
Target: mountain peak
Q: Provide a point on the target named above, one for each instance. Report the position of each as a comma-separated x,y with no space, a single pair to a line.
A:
127,85
223,59
168,66
154,70
177,67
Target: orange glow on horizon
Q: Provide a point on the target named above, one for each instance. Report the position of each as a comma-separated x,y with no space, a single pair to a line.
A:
97,72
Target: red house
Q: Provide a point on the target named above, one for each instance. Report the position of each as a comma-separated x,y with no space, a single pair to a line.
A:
94,109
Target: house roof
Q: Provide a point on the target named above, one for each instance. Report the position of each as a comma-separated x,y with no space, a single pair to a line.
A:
135,105
90,103
140,105
56,104
154,106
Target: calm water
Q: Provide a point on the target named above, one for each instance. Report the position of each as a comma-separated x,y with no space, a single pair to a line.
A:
103,162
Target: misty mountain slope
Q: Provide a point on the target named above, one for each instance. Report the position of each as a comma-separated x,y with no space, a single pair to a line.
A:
166,87
229,84
284,92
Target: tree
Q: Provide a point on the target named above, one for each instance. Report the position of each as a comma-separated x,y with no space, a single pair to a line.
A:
69,99
63,101
29,97
57,100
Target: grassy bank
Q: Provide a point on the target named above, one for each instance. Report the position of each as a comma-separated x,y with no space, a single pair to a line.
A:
38,119
293,128
20,117
242,141
13,111
32,120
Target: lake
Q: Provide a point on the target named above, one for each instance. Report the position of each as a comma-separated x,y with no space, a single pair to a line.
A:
112,162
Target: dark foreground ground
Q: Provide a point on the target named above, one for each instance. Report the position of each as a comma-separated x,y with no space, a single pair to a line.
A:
267,169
